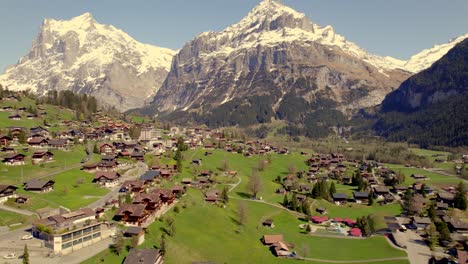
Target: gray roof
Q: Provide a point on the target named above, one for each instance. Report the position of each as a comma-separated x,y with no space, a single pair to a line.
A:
142,256
149,175
340,196
361,195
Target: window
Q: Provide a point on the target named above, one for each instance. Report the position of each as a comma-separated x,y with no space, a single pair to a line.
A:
66,245
97,235
78,241
98,227
87,230
77,233
66,237
87,238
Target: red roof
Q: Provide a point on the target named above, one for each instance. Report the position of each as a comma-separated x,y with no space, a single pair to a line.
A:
349,221
337,219
356,232
319,219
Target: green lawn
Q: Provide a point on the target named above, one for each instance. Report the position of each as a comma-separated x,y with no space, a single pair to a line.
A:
430,154
353,211
9,218
68,192
434,178
63,159
205,232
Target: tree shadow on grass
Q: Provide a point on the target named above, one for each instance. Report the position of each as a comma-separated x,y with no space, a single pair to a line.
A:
244,195
235,221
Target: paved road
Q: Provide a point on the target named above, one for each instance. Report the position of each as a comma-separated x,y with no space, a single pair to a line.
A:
418,251
139,170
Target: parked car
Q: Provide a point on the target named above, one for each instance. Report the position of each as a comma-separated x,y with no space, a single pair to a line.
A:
10,256
26,237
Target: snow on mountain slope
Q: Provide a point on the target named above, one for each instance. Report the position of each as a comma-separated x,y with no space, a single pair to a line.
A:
87,57
427,57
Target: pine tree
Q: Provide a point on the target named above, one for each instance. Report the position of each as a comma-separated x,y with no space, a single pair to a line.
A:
25,255
285,200
431,212
433,236
460,197
225,195
332,189
371,198
294,202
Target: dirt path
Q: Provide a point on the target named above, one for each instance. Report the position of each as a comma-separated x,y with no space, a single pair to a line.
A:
16,210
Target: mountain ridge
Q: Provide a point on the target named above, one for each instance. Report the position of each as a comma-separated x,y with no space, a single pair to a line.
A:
87,57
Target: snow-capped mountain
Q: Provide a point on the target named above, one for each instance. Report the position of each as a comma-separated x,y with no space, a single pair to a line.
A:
87,57
427,57
271,61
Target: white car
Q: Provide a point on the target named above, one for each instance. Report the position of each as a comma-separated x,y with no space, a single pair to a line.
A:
10,256
26,237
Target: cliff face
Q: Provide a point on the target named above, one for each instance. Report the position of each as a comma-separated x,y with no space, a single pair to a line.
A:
87,57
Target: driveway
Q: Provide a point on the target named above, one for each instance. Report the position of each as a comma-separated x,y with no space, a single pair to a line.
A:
418,251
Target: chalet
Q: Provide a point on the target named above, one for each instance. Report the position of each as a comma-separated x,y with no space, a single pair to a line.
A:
39,131
186,181
361,197
135,232
152,201
42,157
167,197
197,162
268,223
131,214
456,225
5,140
14,159
21,199
106,178
15,117
418,177
205,173
37,142
445,197
150,176
281,249
380,191
144,256
421,223
6,192
212,196
138,156
166,174
107,149
133,186
38,185
272,239
340,198
400,189
58,144
178,190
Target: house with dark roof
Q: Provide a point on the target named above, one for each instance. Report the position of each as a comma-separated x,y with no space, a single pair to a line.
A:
340,198
107,178
38,185
150,176
135,232
144,256
39,157
361,197
7,192
14,159
132,214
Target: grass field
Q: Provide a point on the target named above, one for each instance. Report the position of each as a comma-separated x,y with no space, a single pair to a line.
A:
219,238
63,160
434,178
9,218
68,192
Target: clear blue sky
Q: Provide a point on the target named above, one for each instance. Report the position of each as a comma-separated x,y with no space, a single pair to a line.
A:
397,28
